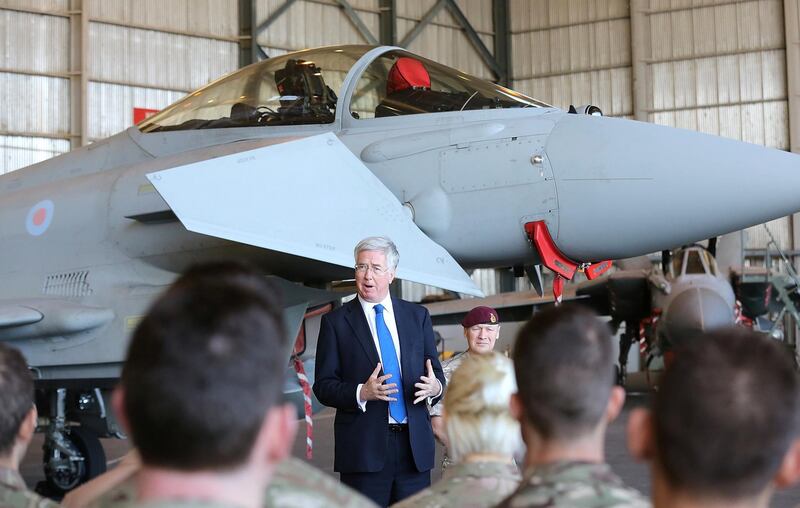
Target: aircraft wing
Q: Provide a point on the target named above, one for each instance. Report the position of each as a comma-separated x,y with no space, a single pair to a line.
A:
309,197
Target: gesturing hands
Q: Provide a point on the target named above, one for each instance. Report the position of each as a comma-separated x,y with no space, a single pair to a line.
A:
374,389
428,385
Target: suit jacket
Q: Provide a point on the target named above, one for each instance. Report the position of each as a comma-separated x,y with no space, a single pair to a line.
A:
346,357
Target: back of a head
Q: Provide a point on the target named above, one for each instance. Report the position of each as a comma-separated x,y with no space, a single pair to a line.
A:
203,369
565,371
476,407
16,395
725,414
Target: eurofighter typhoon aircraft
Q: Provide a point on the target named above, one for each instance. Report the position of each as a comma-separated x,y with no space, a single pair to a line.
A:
289,162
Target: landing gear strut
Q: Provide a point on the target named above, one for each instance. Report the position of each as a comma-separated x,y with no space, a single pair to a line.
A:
629,337
72,455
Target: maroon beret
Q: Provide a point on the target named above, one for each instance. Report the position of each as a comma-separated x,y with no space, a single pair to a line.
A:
480,316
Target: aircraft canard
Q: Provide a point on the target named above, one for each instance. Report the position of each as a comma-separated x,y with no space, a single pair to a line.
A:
252,197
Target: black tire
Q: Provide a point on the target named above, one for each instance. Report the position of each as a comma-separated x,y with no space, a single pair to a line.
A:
92,450
88,445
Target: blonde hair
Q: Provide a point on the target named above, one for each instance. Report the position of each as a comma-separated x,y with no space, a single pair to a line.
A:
476,413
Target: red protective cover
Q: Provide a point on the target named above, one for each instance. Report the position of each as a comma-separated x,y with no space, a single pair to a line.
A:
407,73
551,257
595,270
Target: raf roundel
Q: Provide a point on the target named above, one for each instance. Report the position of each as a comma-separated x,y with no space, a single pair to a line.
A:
39,217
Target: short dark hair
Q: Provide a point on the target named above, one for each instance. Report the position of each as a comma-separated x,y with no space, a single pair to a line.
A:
564,365
203,368
725,413
16,395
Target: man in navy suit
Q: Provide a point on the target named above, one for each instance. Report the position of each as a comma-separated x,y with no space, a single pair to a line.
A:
378,366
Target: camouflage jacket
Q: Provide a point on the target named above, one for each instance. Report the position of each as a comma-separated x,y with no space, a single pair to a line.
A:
295,484
14,493
448,367
574,485
471,485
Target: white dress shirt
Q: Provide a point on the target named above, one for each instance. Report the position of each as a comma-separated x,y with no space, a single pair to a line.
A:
391,324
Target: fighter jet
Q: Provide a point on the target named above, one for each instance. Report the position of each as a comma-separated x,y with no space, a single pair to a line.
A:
664,306
290,161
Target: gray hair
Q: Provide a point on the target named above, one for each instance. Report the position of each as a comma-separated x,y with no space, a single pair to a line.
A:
383,244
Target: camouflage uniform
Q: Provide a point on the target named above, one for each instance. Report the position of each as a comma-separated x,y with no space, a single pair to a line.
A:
295,484
448,367
574,485
470,484
14,493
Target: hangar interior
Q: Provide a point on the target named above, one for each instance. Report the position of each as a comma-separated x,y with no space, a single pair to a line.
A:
75,71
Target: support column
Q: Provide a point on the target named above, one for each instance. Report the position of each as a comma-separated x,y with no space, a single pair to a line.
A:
78,78
247,43
640,52
502,40
388,22
791,16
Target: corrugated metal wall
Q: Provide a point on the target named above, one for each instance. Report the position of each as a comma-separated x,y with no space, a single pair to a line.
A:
573,52
330,26
719,67
34,85
143,54
443,40
149,53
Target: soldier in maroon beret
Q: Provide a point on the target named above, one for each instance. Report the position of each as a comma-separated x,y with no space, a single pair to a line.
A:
481,329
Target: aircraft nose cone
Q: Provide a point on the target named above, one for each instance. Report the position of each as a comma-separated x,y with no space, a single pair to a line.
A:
693,311
627,188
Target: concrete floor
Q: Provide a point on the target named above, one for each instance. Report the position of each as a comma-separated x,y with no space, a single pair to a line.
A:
632,473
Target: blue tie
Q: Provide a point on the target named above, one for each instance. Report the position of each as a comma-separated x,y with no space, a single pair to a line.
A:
390,366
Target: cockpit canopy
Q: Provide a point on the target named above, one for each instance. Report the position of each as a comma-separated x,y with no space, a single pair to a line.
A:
694,260
301,88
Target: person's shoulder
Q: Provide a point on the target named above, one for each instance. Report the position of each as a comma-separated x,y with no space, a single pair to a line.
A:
454,361
575,485
12,496
299,484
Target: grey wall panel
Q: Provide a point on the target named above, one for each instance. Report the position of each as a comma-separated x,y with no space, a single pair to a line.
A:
17,151
610,90
758,238
157,59
40,5
443,39
111,106
539,14
215,17
573,52
720,67
34,104
21,42
448,46
314,23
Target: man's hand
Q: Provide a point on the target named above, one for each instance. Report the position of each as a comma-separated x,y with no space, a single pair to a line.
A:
428,385
374,389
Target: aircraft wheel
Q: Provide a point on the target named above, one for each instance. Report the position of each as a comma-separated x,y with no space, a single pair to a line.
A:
81,459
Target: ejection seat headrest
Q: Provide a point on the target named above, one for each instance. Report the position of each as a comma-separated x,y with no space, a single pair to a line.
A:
407,73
